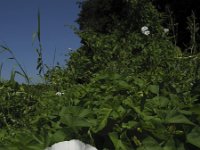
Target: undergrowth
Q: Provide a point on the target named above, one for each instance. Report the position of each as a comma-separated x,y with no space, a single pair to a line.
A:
117,92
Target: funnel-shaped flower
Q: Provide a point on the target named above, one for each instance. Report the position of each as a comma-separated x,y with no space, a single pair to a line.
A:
145,30
71,145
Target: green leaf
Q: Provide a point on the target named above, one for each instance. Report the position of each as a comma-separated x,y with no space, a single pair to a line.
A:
153,89
102,118
123,85
157,101
194,137
164,101
75,121
149,143
58,136
170,145
175,117
196,109
118,144
75,116
84,112
130,125
180,145
139,82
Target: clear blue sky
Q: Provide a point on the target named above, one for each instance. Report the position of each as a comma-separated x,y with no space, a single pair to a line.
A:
18,21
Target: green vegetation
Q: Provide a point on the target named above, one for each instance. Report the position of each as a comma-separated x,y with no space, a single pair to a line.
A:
121,89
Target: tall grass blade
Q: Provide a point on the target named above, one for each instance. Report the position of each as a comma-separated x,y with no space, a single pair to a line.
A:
13,57
54,57
1,66
4,48
40,64
12,76
34,35
38,32
193,28
21,74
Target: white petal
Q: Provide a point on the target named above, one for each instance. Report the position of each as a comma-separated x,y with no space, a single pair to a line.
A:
71,145
144,28
76,145
166,30
60,146
58,93
89,147
147,32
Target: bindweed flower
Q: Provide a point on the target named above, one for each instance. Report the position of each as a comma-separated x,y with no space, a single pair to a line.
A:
59,93
166,30
71,145
145,30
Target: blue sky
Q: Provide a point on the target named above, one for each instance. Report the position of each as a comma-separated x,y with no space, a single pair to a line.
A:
18,23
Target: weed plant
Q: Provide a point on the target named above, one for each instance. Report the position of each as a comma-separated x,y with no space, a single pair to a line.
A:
133,92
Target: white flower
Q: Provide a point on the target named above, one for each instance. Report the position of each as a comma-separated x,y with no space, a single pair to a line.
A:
166,30
145,30
71,145
59,93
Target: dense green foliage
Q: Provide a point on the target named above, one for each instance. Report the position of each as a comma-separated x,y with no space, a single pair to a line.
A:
122,91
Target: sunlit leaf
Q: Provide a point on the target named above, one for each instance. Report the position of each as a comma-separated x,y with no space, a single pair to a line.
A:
130,124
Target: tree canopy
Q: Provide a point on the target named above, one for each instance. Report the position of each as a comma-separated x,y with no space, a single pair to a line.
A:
107,16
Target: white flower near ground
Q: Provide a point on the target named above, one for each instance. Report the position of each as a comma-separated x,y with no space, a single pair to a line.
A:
59,93
145,30
166,30
71,145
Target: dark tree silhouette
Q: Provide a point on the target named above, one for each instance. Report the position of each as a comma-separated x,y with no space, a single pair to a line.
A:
181,10
106,16
101,15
